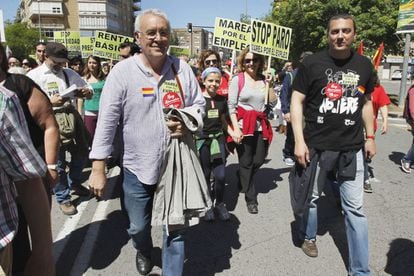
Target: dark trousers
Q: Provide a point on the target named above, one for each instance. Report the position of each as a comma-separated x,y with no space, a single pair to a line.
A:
252,153
90,124
217,167
21,242
289,149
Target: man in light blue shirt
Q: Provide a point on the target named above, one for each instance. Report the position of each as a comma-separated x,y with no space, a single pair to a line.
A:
135,94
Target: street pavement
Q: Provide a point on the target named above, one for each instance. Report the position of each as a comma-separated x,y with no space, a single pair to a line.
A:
95,242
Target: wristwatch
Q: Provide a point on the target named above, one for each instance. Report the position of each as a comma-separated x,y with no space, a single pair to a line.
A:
53,167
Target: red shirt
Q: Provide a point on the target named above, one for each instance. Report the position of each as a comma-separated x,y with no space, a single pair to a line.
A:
223,89
379,99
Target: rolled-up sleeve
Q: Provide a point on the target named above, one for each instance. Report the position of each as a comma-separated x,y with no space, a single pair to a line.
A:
110,110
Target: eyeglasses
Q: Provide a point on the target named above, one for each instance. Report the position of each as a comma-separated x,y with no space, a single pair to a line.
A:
210,62
249,60
152,34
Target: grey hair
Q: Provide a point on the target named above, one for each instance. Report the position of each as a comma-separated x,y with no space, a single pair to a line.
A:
155,12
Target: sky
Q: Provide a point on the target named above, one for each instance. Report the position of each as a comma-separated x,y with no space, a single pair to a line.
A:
181,12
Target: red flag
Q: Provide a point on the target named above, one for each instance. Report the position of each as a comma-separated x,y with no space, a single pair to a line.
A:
376,60
361,48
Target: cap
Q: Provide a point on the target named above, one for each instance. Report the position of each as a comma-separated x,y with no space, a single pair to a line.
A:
57,52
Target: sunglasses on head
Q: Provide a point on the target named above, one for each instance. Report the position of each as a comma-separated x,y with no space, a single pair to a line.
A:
210,61
249,60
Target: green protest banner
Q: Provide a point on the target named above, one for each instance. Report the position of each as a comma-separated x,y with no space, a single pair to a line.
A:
231,34
405,22
269,39
178,51
70,39
87,43
107,44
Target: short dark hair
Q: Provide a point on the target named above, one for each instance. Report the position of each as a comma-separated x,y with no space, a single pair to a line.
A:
40,43
341,16
133,47
75,60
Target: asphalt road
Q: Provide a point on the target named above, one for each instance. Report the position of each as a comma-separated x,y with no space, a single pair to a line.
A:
95,242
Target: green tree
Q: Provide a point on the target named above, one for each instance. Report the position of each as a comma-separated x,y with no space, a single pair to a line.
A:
21,39
376,23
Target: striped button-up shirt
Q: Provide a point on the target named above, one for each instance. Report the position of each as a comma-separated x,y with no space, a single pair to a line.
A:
19,161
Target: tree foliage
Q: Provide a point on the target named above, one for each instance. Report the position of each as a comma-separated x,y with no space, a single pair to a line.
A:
376,22
21,39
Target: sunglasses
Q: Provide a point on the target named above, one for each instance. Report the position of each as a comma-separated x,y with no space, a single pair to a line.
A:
41,51
249,60
25,63
210,61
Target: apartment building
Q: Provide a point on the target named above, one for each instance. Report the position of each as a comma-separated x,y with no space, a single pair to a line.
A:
199,40
86,16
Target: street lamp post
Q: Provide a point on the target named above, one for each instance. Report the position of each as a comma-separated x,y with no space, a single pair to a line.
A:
38,13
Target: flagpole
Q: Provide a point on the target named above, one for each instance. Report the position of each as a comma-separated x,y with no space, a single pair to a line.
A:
403,85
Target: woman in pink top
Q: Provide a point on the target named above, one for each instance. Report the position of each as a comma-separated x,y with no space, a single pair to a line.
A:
408,159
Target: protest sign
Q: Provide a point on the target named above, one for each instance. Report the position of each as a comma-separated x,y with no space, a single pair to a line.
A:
178,51
70,39
269,39
87,43
107,44
231,34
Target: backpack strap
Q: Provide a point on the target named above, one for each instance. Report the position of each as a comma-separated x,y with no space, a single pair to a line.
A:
240,82
66,78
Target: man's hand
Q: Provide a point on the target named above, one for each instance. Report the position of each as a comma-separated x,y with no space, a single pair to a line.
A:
287,117
84,92
97,182
370,148
57,100
52,178
176,127
302,154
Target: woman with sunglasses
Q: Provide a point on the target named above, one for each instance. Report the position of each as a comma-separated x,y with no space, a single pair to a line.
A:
94,76
210,58
252,132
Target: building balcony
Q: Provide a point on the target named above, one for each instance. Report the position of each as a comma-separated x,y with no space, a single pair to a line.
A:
56,26
50,9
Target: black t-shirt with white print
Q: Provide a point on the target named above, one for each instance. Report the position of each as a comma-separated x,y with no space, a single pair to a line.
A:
214,109
335,93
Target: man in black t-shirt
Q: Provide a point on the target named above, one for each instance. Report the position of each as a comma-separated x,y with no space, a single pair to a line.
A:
332,91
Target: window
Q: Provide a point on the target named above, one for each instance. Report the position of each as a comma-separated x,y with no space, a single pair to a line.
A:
56,10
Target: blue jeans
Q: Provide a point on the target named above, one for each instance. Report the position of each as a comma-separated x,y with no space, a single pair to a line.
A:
138,199
78,159
356,224
409,157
